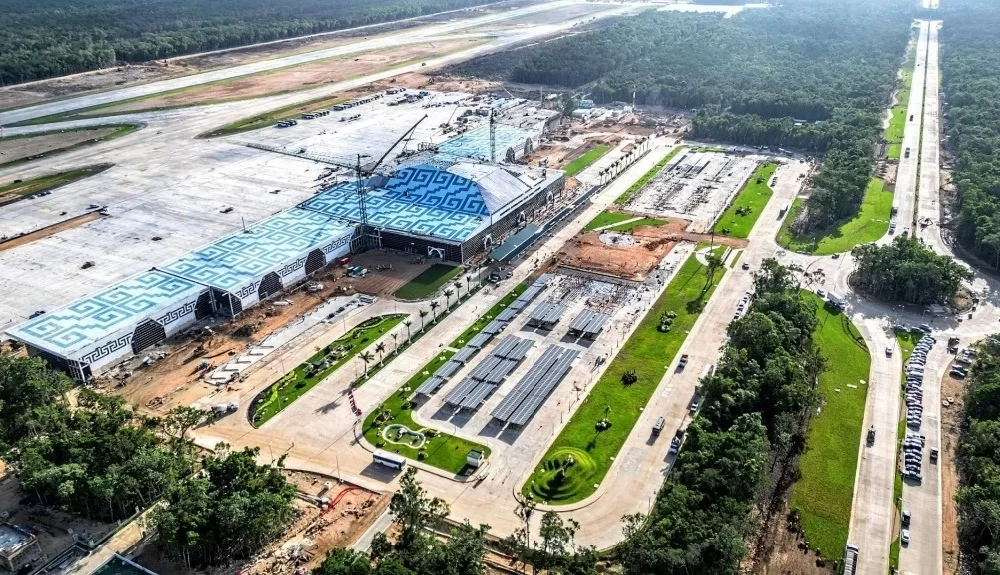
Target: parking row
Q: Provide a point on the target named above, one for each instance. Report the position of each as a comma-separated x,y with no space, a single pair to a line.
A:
913,443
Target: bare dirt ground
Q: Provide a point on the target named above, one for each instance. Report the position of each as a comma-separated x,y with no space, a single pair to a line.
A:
14,149
176,380
558,154
788,554
385,282
54,529
634,262
6,244
954,390
310,536
441,83
292,78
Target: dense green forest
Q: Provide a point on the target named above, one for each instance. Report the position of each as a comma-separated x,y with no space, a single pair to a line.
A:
740,450
979,463
830,63
57,37
101,460
970,60
907,271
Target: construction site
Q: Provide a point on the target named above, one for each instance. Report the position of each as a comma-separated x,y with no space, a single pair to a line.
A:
696,186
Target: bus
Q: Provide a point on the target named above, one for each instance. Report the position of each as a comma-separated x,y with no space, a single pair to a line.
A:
387,459
851,559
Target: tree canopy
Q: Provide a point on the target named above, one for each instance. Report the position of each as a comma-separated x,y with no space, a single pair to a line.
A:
56,37
232,508
978,463
970,64
907,271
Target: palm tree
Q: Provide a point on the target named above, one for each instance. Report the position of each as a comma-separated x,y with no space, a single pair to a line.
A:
468,285
447,296
434,306
395,343
365,357
458,289
380,349
408,322
423,314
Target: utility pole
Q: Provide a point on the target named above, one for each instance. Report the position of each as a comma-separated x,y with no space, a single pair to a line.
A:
493,136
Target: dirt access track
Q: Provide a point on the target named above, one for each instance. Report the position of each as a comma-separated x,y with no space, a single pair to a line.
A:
634,262
289,79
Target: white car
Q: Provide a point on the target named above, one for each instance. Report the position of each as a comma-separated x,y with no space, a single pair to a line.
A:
904,536
888,352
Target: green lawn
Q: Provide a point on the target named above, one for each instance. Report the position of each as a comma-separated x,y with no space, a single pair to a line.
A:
428,282
576,166
871,223
825,490
894,133
443,451
300,380
606,219
487,317
649,352
742,214
52,181
638,185
274,116
629,226
120,130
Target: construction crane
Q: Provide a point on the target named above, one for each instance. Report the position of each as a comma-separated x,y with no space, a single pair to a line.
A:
367,170
361,171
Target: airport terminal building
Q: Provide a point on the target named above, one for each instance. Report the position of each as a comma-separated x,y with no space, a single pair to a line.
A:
451,209
222,278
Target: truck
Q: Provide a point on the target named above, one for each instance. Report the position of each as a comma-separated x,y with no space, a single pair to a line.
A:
658,426
835,300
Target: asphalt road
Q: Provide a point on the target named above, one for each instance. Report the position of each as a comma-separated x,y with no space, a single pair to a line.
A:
924,555
872,511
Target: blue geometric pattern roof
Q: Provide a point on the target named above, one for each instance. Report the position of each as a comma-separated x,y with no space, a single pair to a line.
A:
421,199
87,320
476,142
243,256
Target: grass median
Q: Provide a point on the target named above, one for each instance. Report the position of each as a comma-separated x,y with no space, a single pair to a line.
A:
871,223
271,117
324,362
388,427
649,175
49,182
649,352
578,165
741,215
828,467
